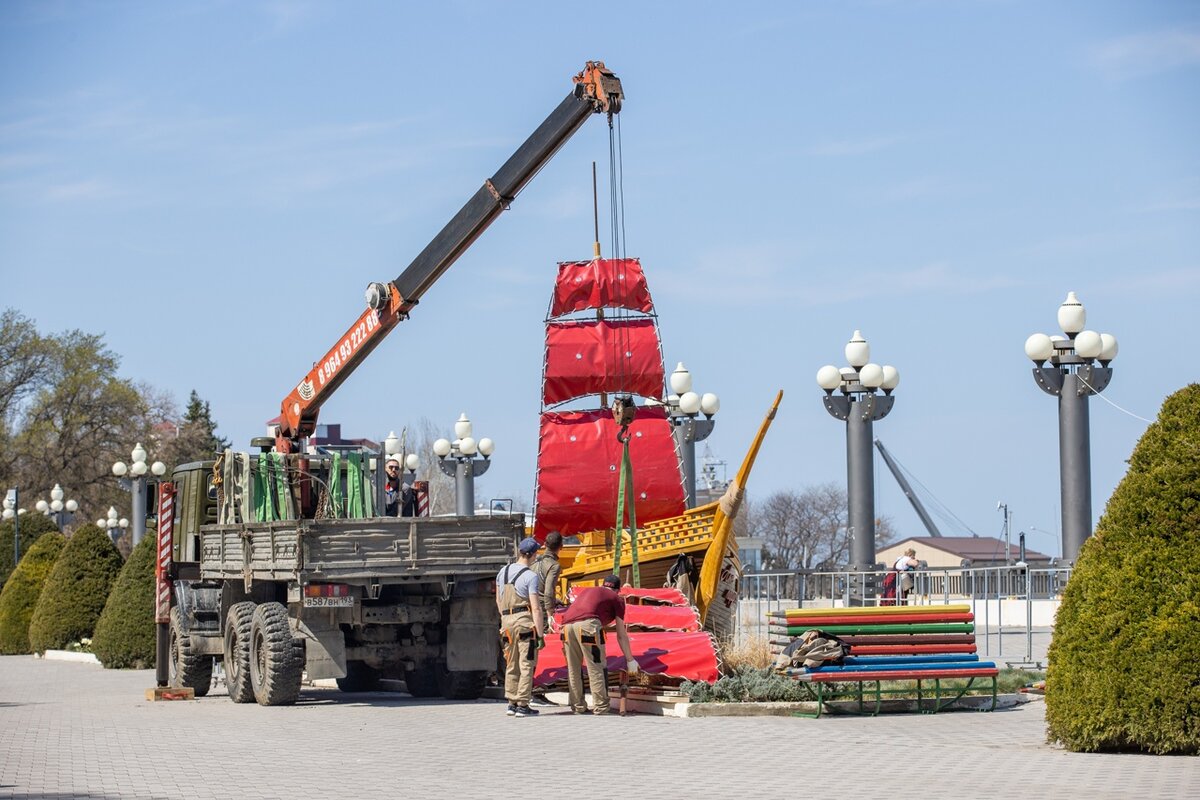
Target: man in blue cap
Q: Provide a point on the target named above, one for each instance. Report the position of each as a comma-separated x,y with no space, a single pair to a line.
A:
522,625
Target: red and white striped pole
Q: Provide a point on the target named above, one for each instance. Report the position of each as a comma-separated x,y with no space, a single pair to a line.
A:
422,490
162,581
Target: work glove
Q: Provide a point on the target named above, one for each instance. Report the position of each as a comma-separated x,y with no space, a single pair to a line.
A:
631,666
541,642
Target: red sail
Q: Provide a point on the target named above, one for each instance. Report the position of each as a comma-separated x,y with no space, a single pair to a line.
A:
579,462
594,356
600,283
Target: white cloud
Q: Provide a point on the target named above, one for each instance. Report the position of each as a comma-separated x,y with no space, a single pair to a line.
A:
1147,53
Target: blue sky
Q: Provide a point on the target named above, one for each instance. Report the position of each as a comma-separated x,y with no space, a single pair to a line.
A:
212,185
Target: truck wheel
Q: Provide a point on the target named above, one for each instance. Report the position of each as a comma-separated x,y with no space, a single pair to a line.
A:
359,678
187,667
421,682
276,658
237,652
462,685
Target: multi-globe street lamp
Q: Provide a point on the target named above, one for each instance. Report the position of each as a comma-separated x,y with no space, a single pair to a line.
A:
1078,368
137,485
859,405
62,513
683,405
457,459
115,527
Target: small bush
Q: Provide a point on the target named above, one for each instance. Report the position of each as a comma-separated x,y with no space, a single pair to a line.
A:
75,591
32,527
748,685
749,653
1124,660
125,633
21,592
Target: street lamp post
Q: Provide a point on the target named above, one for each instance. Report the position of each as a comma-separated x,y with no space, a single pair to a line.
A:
859,406
137,486
683,405
457,459
61,512
1072,376
12,510
115,527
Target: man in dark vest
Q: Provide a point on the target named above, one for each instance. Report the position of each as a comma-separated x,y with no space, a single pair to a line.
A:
549,570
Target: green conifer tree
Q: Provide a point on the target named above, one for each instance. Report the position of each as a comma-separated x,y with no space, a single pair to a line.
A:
22,591
32,526
125,632
75,591
1124,669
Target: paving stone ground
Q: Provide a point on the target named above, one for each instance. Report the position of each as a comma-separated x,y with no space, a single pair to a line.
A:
79,731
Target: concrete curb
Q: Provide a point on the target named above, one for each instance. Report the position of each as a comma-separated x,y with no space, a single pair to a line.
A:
69,655
973,703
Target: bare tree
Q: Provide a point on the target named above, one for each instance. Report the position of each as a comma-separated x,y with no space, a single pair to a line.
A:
807,529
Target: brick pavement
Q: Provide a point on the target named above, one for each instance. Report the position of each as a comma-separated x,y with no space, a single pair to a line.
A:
76,730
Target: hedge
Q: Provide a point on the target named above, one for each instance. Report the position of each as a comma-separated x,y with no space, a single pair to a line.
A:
32,527
1124,671
124,637
21,592
75,591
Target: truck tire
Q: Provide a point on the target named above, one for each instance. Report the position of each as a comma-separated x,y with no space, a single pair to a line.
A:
237,652
462,685
421,682
276,658
359,678
187,666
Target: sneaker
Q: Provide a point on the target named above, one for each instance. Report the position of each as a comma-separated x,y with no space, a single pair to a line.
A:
511,711
600,712
525,711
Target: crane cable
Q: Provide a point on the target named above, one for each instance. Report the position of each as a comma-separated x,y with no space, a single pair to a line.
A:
626,504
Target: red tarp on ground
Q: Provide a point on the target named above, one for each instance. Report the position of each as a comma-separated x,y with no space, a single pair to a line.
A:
689,656
660,618
620,356
668,596
600,283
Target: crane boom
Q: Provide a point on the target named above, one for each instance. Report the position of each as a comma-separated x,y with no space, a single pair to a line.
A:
917,505
596,91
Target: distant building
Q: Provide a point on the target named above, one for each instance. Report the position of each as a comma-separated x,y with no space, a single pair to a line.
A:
952,551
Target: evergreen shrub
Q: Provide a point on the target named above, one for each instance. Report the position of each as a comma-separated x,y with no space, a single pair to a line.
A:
1124,671
32,527
21,592
75,591
125,633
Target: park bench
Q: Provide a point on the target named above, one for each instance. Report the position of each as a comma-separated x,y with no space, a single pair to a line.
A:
925,644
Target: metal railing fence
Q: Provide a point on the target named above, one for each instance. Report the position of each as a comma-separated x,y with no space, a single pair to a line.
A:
1003,599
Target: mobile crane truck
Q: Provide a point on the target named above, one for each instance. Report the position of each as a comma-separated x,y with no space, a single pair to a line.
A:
261,566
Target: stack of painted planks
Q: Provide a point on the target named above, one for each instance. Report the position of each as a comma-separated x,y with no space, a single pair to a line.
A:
882,631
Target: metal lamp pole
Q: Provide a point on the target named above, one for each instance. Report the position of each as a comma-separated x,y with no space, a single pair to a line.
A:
682,407
136,484
1072,377
12,500
457,459
859,406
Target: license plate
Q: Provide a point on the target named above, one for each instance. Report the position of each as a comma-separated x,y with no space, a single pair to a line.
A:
329,602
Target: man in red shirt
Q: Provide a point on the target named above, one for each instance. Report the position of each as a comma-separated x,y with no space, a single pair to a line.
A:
583,640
